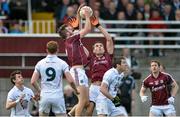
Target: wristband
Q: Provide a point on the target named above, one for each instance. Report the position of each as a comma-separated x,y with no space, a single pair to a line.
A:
97,25
17,101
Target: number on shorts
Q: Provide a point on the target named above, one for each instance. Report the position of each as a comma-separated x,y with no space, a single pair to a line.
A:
50,72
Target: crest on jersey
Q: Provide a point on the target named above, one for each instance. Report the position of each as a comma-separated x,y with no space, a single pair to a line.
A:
161,81
156,82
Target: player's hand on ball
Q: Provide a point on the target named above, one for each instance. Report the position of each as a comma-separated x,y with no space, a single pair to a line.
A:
94,21
171,100
73,21
116,100
144,98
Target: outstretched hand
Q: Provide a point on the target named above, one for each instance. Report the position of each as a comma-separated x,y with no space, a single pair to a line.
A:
73,21
94,21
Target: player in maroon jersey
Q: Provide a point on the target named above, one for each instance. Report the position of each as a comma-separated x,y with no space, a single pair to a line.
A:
162,99
100,62
77,56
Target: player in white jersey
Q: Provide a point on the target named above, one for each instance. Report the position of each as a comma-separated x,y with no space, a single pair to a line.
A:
108,104
51,70
19,96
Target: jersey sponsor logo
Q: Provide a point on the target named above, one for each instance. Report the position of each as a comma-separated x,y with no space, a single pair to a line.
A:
100,62
158,88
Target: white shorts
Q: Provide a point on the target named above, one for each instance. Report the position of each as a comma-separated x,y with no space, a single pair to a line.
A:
57,104
94,91
106,107
168,110
79,76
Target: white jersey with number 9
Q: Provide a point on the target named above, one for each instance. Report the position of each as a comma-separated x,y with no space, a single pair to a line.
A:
51,70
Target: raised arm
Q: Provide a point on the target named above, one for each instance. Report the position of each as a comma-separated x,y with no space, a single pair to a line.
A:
87,27
109,42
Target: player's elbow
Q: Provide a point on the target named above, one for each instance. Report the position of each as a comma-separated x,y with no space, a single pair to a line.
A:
32,82
8,107
177,86
102,90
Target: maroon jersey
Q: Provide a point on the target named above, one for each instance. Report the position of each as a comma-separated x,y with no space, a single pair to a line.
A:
75,51
98,66
159,88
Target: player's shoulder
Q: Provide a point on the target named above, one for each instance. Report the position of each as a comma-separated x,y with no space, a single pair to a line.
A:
41,61
12,91
110,72
166,74
27,88
147,78
61,61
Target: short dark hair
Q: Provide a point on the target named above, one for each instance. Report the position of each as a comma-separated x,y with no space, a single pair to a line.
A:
156,61
117,60
52,47
13,75
62,31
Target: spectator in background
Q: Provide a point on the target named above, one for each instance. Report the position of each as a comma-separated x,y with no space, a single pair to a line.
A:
69,13
168,14
140,6
112,12
70,98
121,6
82,2
130,15
156,4
121,17
156,17
132,63
3,29
97,5
127,92
75,6
147,11
130,12
162,68
16,29
61,10
177,26
18,9
104,9
175,5
139,17
5,8
97,14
